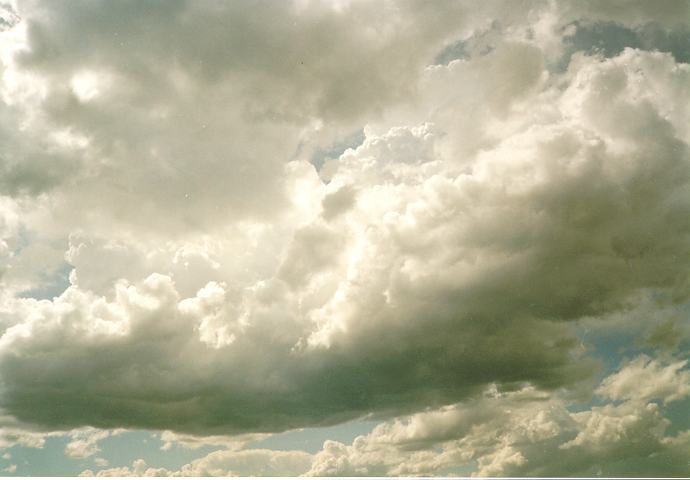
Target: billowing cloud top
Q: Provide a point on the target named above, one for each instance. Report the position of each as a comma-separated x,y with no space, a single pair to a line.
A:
279,215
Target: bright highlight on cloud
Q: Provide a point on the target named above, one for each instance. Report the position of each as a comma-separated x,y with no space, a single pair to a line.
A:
197,241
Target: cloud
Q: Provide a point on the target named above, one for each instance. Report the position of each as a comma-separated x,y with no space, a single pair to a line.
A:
171,439
673,13
221,284
468,266
13,433
222,463
646,379
138,469
215,116
522,433
84,443
526,432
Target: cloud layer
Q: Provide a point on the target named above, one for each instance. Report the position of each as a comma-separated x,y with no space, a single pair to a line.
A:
513,184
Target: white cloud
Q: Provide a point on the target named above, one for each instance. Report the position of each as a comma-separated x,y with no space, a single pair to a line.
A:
138,469
84,442
525,432
647,379
14,433
522,433
192,442
481,257
222,463
221,285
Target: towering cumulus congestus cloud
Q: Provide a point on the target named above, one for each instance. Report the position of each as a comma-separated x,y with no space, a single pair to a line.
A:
220,283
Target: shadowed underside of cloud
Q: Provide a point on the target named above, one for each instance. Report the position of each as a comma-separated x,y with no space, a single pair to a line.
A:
222,285
522,433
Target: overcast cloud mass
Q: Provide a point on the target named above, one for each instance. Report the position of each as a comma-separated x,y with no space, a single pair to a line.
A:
460,229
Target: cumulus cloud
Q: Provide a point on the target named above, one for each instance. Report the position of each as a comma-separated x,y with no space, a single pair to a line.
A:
213,117
138,469
511,187
172,439
84,442
645,379
14,433
526,432
265,463
522,433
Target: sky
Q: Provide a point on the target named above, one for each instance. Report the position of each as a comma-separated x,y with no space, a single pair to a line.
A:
347,237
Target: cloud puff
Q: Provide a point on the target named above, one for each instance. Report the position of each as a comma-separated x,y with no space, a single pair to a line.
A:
645,379
192,442
84,443
265,463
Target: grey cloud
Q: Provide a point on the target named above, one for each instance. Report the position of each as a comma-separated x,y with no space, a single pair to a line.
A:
339,201
31,163
191,126
221,287
610,39
453,271
669,13
523,433
8,17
